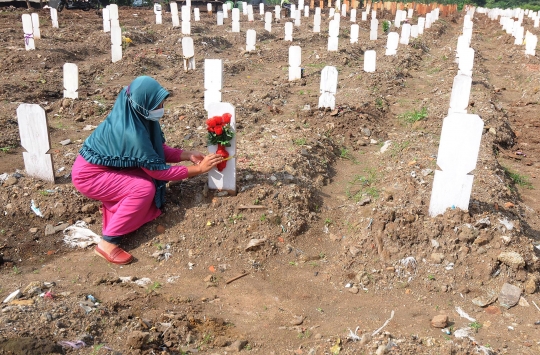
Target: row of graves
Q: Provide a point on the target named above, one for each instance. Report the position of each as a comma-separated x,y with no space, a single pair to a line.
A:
461,131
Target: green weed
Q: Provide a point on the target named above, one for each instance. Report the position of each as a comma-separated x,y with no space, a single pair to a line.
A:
386,26
518,179
397,148
476,326
362,185
16,270
155,286
413,116
300,141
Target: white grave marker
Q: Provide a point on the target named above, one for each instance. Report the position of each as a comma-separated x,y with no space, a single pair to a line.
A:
461,90
116,43
421,24
268,21
225,9
28,32
261,9
458,152
113,14
188,50
370,58
277,11
219,18
226,179
174,14
250,13
186,20
466,62
295,61
355,29
353,15
414,31
54,17
235,19
106,20
213,81
288,31
293,11
71,81
410,13
317,23
344,10
251,39
35,26
244,8
373,14
530,45
373,30
392,43
35,140
332,12
329,76
298,18
405,34
208,9
333,33
306,11
157,11
397,19
364,15
197,14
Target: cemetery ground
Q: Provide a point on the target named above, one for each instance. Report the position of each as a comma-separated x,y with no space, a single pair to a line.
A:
337,200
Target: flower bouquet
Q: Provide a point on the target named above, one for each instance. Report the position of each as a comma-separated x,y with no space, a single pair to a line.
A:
220,133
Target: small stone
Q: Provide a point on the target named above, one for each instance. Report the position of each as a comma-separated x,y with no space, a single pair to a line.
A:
493,310
439,321
297,320
531,285
222,194
65,142
89,220
66,103
33,230
137,339
248,177
354,290
373,141
381,350
354,251
160,229
523,302
46,317
89,208
318,336
10,181
508,205
366,338
22,302
237,345
437,258
493,131
512,259
509,296
49,229
366,132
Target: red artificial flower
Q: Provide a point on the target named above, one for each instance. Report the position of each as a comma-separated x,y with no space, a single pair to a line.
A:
225,154
218,130
210,122
226,117
210,129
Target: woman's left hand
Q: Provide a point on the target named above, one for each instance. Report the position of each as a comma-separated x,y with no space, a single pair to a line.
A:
196,157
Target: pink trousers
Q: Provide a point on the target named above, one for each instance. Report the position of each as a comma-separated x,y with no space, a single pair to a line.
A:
127,195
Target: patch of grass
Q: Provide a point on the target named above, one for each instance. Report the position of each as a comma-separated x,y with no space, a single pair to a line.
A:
300,141
476,326
263,218
431,277
293,263
379,103
328,221
16,270
518,179
362,185
97,348
344,153
155,286
397,148
5,149
413,116
304,335
386,26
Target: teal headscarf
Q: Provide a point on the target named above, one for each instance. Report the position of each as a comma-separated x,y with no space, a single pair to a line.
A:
127,139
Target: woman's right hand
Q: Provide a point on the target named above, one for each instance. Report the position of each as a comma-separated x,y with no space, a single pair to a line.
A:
209,161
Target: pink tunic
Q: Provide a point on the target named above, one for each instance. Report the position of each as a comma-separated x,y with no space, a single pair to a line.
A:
127,194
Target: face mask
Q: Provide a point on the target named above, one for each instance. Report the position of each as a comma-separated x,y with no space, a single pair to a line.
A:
155,115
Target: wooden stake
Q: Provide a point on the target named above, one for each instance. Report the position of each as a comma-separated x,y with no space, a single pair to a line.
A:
237,277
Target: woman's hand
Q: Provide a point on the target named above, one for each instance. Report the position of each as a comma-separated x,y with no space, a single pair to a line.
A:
196,157
209,161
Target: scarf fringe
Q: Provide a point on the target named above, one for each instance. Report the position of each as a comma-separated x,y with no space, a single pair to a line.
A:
116,162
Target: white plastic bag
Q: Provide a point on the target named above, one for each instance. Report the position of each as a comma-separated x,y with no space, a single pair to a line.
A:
78,235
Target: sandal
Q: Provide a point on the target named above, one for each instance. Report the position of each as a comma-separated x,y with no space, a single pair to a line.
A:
117,256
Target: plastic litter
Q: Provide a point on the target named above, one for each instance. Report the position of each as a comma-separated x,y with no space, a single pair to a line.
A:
352,335
78,235
91,298
73,344
384,325
507,224
462,314
36,209
3,177
143,282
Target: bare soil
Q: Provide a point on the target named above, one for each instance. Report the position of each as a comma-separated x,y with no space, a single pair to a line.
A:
341,221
